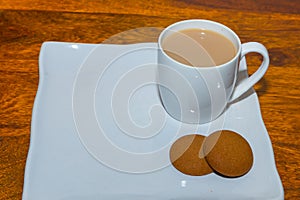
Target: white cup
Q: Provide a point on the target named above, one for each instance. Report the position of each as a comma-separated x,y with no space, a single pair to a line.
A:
200,94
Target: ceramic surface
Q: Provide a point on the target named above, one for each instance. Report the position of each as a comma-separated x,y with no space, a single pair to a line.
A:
62,165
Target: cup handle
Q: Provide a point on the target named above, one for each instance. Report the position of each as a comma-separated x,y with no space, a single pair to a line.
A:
247,83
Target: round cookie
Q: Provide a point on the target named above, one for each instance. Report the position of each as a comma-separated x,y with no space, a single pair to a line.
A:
228,153
184,156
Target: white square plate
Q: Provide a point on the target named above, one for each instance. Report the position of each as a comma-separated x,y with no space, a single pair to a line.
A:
80,97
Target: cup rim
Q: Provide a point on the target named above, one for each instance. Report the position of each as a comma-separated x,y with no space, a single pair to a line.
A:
200,20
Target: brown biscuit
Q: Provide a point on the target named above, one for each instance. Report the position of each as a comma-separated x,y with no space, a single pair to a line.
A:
184,155
228,153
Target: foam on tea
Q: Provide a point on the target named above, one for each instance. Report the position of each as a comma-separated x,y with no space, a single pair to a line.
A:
199,47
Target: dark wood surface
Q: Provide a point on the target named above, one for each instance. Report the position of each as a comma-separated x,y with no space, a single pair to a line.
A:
25,24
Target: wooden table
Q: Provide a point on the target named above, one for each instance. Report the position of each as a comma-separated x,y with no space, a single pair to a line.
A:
26,24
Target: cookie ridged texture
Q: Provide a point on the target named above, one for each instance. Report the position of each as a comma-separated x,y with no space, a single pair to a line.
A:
228,153
185,156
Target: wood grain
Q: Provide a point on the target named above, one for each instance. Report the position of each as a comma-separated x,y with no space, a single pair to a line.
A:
26,24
